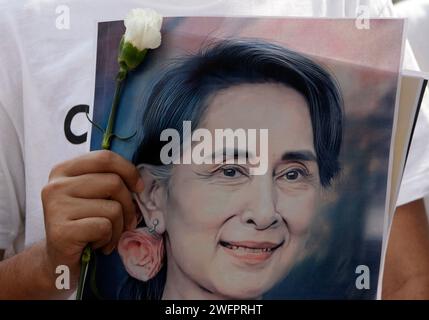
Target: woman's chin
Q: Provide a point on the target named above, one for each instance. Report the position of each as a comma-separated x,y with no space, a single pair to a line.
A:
246,289
245,277
249,293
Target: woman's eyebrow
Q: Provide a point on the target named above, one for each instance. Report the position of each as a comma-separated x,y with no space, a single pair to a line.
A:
303,155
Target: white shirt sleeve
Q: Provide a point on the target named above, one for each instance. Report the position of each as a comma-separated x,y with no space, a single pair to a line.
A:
12,186
415,182
12,177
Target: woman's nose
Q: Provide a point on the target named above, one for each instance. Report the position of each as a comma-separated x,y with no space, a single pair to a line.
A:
261,210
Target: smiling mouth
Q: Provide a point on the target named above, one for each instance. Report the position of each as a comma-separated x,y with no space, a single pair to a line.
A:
251,247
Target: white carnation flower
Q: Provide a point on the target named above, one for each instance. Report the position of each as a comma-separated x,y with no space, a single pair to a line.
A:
143,29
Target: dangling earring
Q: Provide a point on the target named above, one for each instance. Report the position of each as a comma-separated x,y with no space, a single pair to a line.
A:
142,251
152,229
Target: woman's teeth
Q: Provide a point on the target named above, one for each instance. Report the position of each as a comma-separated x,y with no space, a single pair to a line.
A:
245,249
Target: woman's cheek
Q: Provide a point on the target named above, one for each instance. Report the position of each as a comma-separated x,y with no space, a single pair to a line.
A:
298,209
195,220
199,208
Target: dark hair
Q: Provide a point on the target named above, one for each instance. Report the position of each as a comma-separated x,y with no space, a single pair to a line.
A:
182,93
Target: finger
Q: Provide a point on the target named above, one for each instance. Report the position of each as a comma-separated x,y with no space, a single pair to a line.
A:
112,210
102,186
102,161
96,231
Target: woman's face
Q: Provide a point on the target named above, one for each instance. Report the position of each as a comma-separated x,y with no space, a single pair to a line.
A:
234,234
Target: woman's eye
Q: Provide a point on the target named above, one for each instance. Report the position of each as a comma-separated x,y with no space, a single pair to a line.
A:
230,172
293,175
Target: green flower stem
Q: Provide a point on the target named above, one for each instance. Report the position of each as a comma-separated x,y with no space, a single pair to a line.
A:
86,257
105,145
108,134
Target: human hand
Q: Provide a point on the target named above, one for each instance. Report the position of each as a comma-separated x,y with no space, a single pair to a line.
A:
88,200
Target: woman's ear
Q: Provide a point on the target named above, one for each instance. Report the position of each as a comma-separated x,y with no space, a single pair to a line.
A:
151,200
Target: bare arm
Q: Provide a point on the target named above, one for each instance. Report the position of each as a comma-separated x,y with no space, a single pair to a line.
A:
28,276
406,274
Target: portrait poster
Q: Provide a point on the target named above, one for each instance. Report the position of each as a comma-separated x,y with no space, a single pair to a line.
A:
310,224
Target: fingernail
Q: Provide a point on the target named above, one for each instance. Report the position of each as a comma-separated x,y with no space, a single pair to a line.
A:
140,185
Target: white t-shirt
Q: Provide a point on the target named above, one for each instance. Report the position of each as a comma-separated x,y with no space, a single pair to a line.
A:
415,183
417,12
46,71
